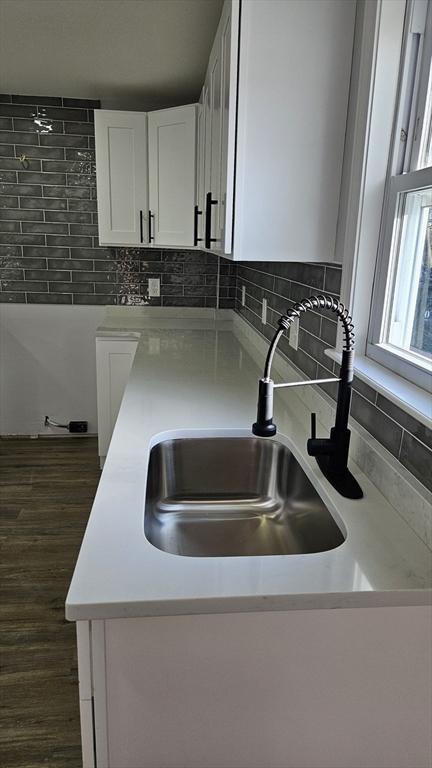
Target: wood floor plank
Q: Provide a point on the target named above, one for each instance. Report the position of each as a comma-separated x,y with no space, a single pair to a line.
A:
46,492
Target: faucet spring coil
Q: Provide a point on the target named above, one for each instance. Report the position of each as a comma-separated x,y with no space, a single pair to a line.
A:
322,302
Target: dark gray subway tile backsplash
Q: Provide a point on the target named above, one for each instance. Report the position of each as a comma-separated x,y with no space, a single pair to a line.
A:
49,250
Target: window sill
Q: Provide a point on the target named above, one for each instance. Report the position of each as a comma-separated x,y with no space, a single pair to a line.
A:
405,395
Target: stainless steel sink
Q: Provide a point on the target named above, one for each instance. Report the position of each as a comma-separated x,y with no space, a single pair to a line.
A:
224,497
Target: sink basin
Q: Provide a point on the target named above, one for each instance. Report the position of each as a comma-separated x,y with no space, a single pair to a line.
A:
225,497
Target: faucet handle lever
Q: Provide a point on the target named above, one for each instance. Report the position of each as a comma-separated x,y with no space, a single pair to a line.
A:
313,426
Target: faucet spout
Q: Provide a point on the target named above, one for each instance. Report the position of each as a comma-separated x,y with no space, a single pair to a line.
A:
331,453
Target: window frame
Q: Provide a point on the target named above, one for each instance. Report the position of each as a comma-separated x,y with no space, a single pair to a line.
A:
402,177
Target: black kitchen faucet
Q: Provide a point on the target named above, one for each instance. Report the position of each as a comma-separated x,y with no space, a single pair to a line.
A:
331,453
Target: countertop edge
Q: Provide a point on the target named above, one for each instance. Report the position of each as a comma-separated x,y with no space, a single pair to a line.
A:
222,605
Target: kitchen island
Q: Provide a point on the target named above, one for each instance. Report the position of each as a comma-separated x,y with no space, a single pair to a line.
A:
240,662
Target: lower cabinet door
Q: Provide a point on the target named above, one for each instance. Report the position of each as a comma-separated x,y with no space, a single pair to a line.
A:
114,358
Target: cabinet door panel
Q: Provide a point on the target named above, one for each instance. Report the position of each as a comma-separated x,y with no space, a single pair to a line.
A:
172,174
114,358
219,100
200,169
207,140
121,173
229,48
215,88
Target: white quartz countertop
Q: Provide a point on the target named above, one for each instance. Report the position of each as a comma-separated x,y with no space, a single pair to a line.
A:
195,373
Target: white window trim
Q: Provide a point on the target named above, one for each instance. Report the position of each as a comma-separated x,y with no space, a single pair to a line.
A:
374,89
389,302
383,353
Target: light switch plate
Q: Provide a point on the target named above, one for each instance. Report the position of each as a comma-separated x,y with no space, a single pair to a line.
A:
294,334
153,287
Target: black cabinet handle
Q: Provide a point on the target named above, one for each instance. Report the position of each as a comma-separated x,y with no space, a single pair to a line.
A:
197,213
313,426
209,202
150,217
141,228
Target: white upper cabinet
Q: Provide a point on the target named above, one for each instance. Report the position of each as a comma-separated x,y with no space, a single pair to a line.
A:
278,101
121,175
171,145
254,171
146,186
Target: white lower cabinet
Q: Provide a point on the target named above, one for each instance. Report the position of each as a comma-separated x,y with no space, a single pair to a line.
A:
346,688
114,358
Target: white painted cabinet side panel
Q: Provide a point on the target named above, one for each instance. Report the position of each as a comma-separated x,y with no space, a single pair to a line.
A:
294,75
121,175
85,692
99,670
172,174
87,734
84,659
114,360
229,49
348,688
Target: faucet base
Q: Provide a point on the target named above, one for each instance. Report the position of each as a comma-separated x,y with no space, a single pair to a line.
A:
264,429
344,482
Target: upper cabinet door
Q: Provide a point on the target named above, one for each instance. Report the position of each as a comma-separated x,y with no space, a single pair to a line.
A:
200,169
172,191
215,93
220,96
121,175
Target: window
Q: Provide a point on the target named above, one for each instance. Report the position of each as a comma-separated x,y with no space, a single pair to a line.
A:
400,335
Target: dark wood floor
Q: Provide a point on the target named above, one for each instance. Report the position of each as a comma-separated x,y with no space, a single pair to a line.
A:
46,491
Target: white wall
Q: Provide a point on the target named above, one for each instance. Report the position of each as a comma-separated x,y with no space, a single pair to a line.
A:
47,366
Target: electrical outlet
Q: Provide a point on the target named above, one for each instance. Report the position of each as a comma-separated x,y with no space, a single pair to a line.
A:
294,334
154,345
153,287
264,312
243,300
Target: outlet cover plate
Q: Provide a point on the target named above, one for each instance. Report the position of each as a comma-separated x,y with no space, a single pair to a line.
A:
153,287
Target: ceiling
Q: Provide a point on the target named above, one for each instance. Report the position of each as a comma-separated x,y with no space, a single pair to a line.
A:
131,54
